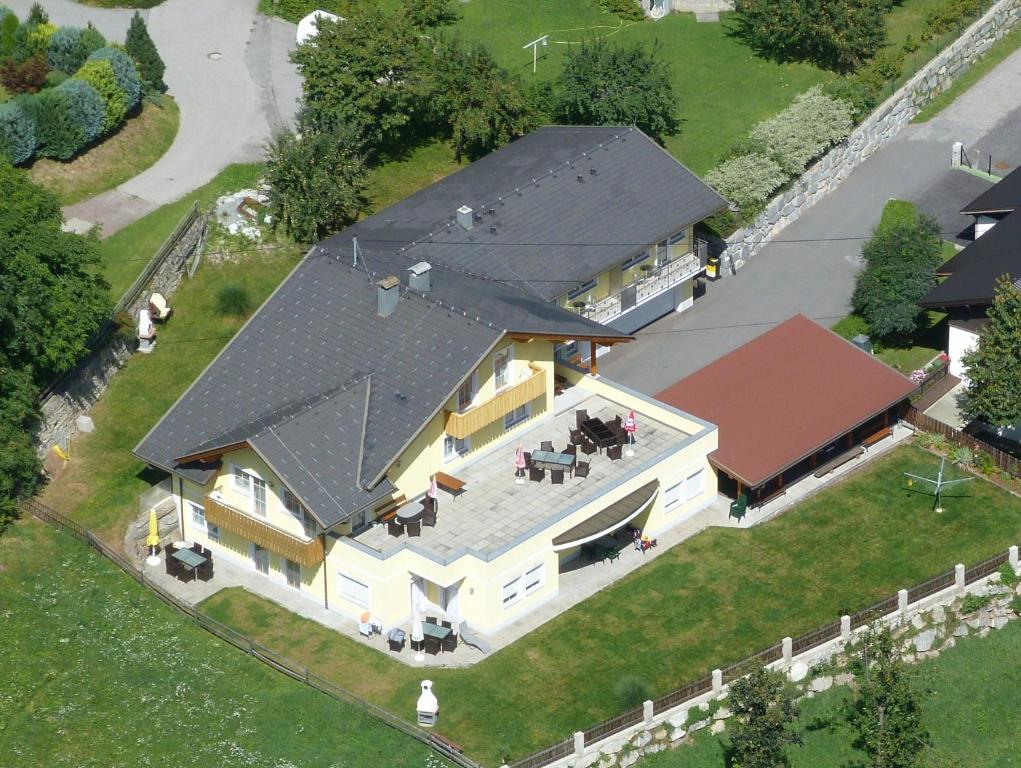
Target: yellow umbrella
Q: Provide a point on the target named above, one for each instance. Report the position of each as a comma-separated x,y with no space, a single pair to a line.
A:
153,539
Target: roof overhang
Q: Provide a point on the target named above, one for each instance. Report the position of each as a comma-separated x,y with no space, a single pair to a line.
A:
606,341
212,453
609,519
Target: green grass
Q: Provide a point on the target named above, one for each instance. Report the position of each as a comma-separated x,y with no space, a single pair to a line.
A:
101,484
994,56
926,344
138,143
99,672
126,252
707,602
971,699
397,179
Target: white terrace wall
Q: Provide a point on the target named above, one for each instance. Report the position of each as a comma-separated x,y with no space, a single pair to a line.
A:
877,130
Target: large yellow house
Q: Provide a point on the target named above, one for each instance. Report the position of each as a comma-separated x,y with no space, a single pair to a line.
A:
377,368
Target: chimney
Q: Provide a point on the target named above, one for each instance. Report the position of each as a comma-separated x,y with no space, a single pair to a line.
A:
465,217
419,278
388,293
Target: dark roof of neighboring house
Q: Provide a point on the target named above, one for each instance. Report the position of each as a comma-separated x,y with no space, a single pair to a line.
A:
785,395
323,389
554,208
975,270
1003,197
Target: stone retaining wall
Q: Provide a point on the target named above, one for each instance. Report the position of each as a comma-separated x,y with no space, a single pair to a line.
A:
78,390
877,130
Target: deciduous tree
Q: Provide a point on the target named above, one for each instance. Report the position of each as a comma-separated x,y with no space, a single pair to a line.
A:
994,366
764,724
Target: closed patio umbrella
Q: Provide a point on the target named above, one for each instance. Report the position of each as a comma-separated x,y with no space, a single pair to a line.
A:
630,426
153,539
417,635
519,463
431,493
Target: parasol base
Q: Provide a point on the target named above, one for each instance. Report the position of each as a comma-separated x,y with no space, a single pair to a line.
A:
153,560
519,481
629,452
419,657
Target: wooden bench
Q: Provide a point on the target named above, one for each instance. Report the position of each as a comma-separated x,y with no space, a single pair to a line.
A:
388,512
443,741
839,461
875,437
449,483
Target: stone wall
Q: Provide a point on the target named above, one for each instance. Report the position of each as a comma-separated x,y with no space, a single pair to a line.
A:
874,133
78,390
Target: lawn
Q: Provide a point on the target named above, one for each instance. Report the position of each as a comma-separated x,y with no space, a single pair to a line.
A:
971,700
710,601
113,677
926,344
138,143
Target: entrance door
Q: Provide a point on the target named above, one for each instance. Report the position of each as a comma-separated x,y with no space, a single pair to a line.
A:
260,558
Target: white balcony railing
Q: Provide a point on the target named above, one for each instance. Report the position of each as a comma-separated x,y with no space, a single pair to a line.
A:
652,284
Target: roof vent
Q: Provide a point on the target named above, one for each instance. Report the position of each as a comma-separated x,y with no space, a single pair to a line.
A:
419,280
592,171
580,178
388,293
465,218
492,230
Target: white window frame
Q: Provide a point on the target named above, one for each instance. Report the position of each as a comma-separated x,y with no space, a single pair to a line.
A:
237,476
674,494
255,497
213,532
473,382
507,355
288,570
354,596
198,516
698,474
452,452
637,259
290,502
269,559
518,415
510,598
530,586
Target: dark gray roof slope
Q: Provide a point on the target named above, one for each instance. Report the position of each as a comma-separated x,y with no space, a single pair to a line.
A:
316,379
975,270
556,208
1004,196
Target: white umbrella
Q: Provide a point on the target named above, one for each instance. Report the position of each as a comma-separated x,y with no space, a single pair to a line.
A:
630,426
417,635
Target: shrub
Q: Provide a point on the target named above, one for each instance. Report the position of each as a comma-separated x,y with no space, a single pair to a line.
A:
964,456
85,109
804,130
32,40
426,14
24,76
142,49
91,40
100,75
37,15
66,51
1008,577
125,72
631,691
232,300
1015,605
58,134
17,132
985,463
747,180
8,29
628,10
863,89
974,603
295,10
851,326
5,12
949,15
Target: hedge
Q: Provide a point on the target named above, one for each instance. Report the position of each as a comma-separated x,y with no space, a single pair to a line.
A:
795,136
17,132
125,72
85,108
100,75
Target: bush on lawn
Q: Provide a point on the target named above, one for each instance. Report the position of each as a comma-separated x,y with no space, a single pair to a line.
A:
804,130
949,15
232,300
631,691
747,180
57,132
67,50
17,132
100,75
92,40
85,108
24,76
125,72
628,10
8,29
851,326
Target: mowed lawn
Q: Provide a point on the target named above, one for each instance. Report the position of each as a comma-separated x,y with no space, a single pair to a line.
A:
971,701
98,673
710,601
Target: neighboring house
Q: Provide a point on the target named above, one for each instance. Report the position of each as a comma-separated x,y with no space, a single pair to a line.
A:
348,391
967,291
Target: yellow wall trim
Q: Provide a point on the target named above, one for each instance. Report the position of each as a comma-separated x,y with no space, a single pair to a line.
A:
306,553
461,425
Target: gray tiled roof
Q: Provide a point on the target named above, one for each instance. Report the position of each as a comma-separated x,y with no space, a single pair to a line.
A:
316,379
1002,197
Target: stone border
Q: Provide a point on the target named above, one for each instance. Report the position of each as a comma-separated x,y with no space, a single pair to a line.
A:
878,129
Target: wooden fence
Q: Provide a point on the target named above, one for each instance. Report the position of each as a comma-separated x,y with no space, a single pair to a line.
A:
267,656
1004,461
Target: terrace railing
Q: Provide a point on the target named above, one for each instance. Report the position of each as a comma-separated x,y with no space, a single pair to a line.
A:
644,288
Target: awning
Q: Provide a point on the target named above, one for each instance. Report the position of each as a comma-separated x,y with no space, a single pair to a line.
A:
611,518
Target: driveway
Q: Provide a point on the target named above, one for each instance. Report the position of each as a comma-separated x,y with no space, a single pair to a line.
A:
228,69
810,268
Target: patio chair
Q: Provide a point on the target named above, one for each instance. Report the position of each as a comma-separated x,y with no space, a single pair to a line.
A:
394,528
449,643
547,445
581,469
613,453
429,518
580,415
536,475
430,619
617,424
571,450
395,640
205,571
159,310
171,564
576,437
196,548
556,476
432,645
528,459
414,528
446,624
739,507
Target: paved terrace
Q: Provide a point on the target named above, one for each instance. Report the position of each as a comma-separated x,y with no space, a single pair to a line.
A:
493,514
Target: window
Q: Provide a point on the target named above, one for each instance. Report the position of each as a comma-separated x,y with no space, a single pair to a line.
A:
583,288
512,592
466,393
259,495
198,515
455,446
533,578
672,495
260,558
353,590
634,261
696,484
360,520
502,367
518,415
242,481
661,257
292,505
213,532
292,571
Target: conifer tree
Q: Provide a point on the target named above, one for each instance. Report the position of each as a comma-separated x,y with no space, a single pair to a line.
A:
994,365
142,49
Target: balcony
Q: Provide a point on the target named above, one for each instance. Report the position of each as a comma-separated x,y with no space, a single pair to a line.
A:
308,552
460,425
653,283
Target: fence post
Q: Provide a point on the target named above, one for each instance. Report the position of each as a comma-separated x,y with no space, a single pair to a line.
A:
579,743
845,628
959,577
788,651
717,682
902,601
1012,556
647,711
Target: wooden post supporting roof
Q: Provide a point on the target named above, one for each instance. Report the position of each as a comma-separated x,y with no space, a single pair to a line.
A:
593,361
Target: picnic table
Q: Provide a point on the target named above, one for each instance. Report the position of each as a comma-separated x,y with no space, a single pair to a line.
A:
552,460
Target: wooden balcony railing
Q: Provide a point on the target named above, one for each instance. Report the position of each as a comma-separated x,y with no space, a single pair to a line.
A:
460,425
308,552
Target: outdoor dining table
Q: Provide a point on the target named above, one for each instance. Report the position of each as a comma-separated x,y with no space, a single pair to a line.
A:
436,631
597,431
552,460
189,558
410,512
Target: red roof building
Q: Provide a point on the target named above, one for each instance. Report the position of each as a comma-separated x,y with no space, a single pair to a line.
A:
795,398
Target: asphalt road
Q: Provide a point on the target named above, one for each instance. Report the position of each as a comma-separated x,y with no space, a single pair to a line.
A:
810,267
228,69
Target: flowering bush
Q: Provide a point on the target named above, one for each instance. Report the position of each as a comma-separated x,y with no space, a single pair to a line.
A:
747,180
804,130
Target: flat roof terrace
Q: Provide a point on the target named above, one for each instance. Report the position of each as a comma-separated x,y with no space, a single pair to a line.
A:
493,514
